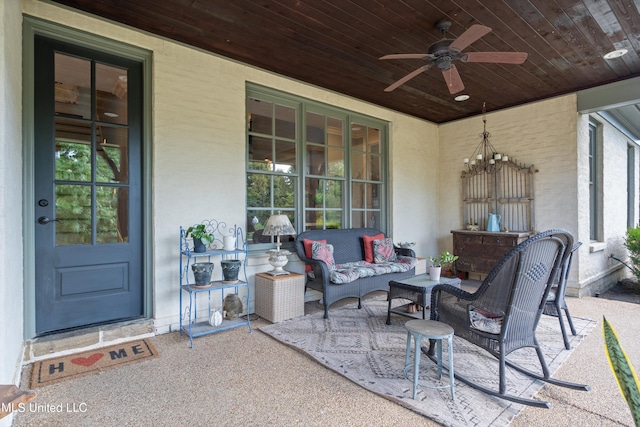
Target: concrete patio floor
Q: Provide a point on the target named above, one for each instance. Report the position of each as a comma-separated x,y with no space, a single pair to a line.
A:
236,378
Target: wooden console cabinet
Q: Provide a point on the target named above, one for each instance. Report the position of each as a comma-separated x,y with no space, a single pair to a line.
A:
479,251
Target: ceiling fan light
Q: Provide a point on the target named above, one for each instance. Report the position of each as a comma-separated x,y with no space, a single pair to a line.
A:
615,54
461,98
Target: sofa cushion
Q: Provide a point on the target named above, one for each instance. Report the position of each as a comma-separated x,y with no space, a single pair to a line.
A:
383,251
485,321
351,271
323,252
307,251
368,245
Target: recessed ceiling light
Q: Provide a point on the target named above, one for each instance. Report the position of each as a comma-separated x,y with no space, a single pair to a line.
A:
615,54
460,98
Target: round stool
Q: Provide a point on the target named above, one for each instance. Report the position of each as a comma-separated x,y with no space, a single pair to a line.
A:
429,329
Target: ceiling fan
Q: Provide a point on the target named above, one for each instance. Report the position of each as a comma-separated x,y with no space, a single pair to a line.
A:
443,52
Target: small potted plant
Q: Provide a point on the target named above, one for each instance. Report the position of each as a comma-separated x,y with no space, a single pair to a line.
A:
201,237
436,264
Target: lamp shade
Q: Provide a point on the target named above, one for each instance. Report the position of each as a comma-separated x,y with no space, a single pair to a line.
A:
278,225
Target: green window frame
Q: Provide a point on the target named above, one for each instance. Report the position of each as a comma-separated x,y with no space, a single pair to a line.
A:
322,166
595,181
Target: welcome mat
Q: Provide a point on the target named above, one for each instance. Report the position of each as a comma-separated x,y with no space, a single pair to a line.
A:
56,369
360,346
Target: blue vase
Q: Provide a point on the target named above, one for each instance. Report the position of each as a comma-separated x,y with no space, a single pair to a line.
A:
198,246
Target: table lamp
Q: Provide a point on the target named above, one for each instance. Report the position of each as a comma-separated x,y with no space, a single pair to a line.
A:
278,225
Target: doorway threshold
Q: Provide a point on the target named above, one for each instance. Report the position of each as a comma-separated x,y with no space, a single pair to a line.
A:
78,340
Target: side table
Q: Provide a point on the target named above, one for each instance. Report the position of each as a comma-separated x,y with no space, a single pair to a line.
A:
416,289
279,297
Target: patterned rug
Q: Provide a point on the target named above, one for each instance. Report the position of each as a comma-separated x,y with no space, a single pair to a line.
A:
359,345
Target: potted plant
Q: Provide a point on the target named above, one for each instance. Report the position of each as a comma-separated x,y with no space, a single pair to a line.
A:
201,237
436,264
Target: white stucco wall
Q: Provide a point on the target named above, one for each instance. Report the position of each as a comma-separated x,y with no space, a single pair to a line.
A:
553,137
542,134
198,169
595,264
11,343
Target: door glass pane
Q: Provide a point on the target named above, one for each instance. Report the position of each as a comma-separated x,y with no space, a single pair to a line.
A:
373,171
112,148
357,195
314,193
358,165
373,196
334,132
336,162
373,219
315,160
285,160
72,86
313,220
73,151
112,214
283,191
260,116
358,137
111,94
73,210
334,219
256,220
315,128
373,140
333,195
285,122
258,190
357,219
260,153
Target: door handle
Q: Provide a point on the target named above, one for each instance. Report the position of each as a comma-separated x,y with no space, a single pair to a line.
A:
46,220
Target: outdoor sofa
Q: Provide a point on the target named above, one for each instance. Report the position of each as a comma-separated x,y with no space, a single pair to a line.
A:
349,271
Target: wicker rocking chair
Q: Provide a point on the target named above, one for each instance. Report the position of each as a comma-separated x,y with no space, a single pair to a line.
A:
503,314
555,302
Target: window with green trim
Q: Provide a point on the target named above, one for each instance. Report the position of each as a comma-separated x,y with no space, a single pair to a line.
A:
322,166
595,181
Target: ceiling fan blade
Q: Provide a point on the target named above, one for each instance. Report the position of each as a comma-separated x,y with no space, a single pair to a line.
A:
407,56
408,77
453,79
472,34
495,57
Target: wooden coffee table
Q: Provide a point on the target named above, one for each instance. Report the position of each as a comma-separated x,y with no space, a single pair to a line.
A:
416,289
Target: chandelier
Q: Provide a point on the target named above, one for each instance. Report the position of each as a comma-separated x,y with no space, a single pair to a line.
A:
485,158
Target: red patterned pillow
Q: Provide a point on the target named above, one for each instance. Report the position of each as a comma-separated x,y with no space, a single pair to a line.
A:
383,251
307,251
323,252
368,246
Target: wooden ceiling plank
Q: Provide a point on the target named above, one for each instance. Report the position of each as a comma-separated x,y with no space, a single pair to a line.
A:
590,61
621,26
336,44
525,39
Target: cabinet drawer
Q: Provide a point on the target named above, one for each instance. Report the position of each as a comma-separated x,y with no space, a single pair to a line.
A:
500,240
467,238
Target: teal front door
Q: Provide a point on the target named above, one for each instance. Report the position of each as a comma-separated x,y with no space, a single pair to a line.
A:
87,204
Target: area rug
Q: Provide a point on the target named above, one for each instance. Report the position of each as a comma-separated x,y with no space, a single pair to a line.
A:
56,369
361,346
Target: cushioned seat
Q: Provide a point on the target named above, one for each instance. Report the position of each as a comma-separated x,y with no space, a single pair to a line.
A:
350,263
502,315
